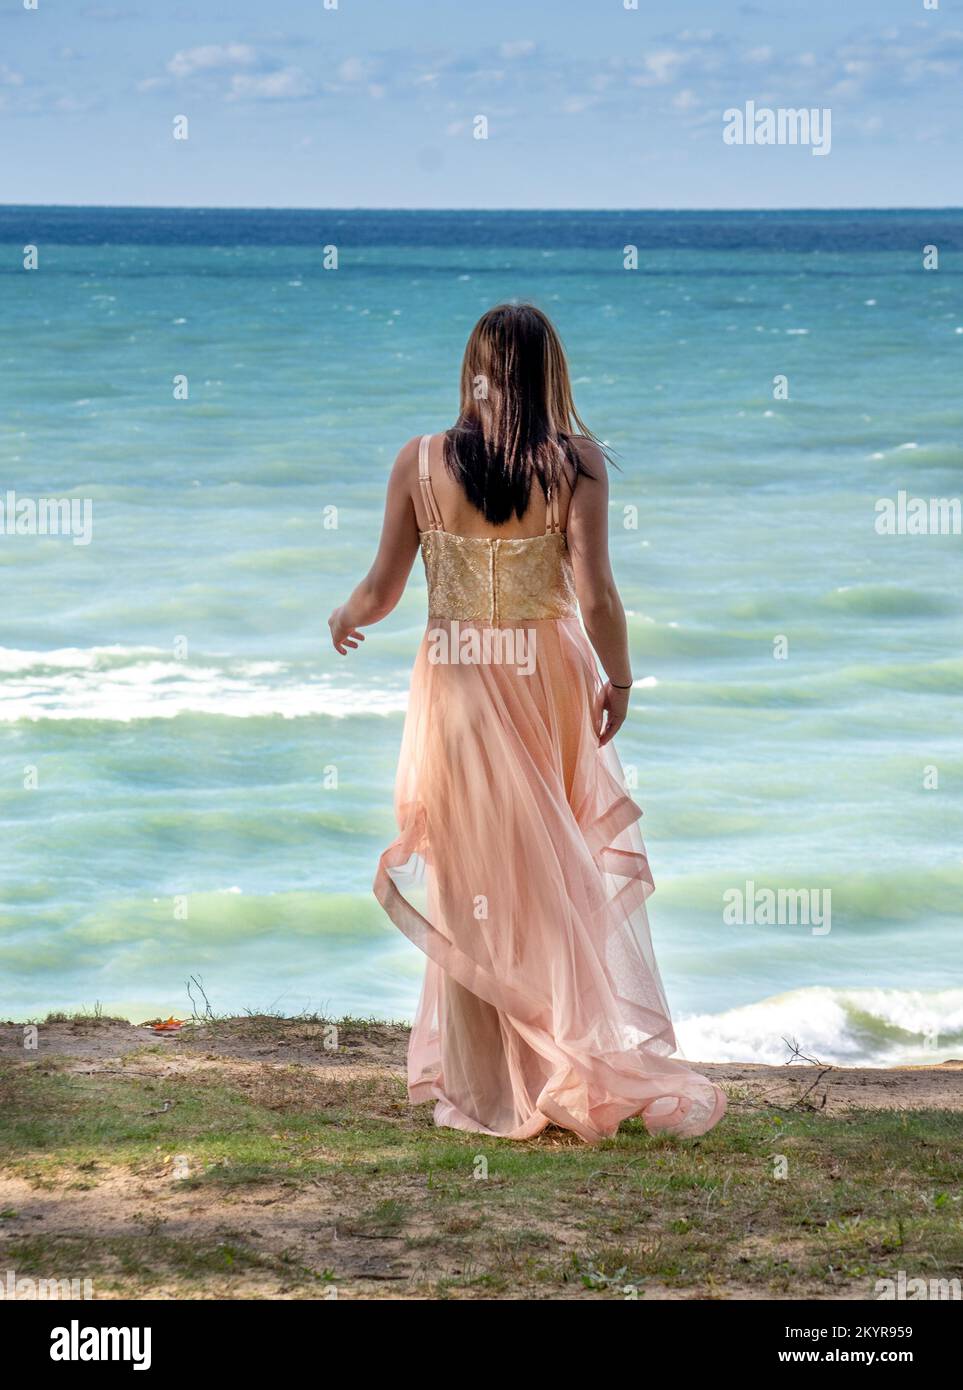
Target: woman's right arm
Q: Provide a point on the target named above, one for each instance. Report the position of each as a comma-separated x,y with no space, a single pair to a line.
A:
598,598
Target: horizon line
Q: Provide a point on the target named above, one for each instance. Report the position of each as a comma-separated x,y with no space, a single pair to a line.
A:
370,207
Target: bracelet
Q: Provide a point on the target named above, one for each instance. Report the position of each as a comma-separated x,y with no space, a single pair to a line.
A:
621,687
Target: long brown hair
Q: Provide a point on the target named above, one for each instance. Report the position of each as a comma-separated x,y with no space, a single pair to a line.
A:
517,418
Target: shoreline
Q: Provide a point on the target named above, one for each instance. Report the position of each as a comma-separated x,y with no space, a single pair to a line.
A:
295,1040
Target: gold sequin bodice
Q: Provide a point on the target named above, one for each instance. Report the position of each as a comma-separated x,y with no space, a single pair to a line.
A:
494,580
486,580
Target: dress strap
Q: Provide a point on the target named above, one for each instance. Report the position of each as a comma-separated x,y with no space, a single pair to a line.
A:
435,522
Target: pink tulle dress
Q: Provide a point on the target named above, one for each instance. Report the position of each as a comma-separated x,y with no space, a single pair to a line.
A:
519,869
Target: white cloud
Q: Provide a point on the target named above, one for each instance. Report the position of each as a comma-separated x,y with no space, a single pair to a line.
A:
517,48
286,84
212,57
661,66
353,70
488,77
73,105
932,67
685,100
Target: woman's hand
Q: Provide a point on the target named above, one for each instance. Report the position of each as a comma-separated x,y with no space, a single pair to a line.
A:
343,635
614,705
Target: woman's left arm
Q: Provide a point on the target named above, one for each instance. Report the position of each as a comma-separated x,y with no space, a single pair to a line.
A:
383,585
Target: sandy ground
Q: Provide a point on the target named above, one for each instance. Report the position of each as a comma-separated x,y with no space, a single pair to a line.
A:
312,1226
95,1044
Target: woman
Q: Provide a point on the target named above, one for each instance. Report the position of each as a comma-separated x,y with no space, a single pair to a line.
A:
519,869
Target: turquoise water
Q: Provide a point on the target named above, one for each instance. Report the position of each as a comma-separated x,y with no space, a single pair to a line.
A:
171,682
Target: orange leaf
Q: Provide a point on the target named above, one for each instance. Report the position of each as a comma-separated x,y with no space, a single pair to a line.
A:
171,1026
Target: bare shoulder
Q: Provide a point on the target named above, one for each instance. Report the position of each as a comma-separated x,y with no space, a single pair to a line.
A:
590,457
406,463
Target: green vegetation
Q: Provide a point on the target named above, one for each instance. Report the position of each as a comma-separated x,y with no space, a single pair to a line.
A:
218,1176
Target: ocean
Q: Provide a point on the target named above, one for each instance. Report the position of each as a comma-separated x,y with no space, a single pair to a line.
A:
193,784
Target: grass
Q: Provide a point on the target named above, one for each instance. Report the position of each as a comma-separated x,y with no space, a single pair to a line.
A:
286,1180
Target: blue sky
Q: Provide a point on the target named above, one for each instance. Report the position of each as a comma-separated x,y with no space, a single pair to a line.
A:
372,104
